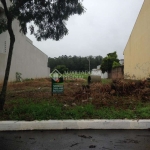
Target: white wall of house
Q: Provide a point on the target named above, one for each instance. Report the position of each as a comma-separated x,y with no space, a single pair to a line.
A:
98,72
26,59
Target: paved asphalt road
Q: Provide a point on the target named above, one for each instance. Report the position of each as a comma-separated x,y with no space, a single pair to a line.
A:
76,140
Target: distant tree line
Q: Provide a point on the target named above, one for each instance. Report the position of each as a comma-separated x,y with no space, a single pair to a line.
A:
75,63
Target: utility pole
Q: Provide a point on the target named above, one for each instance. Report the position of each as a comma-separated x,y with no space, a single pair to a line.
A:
88,58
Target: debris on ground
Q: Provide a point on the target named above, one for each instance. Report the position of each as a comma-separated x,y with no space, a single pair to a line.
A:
118,93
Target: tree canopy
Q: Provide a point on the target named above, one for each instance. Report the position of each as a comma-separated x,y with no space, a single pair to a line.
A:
75,63
47,18
61,68
109,62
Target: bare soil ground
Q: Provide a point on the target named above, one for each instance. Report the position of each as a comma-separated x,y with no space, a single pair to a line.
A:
120,94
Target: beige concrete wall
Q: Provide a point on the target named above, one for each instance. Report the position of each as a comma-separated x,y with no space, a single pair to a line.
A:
27,59
137,50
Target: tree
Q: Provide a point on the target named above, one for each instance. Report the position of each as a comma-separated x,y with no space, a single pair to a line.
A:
107,62
75,63
116,64
61,68
48,16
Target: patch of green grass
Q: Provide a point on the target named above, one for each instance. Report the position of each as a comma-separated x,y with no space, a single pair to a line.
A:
106,81
22,109
79,112
85,76
112,113
143,112
27,110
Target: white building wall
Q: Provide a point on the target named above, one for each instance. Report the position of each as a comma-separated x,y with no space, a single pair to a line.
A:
26,59
98,72
3,43
3,48
2,65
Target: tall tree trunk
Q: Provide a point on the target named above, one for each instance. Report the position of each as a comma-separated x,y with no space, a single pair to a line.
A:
12,41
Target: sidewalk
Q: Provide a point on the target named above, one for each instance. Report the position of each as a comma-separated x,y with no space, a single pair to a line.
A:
74,124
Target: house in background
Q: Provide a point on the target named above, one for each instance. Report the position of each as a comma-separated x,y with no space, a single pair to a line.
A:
26,59
137,50
116,73
98,72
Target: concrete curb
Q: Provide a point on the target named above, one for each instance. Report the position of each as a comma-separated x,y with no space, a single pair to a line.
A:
74,124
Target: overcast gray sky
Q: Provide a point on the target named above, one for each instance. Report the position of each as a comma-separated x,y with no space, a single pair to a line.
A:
104,27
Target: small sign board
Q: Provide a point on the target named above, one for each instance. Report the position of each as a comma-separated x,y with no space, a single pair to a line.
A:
57,82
